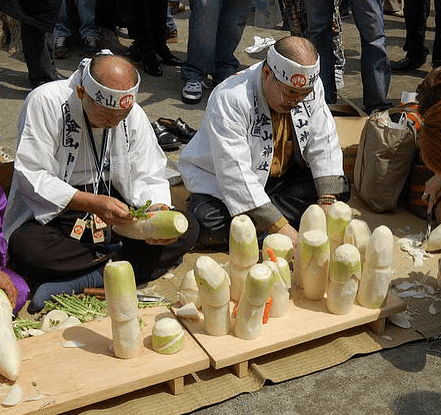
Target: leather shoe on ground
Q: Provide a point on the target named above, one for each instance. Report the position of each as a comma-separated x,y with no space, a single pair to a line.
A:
406,64
152,67
178,128
166,140
169,59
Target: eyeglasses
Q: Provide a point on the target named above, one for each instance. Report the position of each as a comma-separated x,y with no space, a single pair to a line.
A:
294,97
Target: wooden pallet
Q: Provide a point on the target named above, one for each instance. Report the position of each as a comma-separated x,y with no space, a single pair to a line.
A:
305,320
76,377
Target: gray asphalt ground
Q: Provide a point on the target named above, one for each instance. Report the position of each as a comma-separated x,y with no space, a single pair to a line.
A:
399,381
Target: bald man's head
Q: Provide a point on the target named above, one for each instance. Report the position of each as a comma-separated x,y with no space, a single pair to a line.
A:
297,49
114,72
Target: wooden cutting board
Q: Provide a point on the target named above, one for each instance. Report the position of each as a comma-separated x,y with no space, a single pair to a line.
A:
305,320
75,377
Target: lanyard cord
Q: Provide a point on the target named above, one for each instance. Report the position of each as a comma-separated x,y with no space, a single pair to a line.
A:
99,161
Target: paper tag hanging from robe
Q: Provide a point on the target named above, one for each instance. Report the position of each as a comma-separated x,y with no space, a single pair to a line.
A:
78,229
97,235
99,223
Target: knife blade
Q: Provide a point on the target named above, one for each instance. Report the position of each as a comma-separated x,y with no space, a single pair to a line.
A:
428,225
100,293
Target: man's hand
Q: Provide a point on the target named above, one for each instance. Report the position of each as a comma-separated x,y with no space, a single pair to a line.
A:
432,191
288,230
109,209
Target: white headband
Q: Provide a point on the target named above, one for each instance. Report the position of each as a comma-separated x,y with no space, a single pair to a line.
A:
290,72
108,98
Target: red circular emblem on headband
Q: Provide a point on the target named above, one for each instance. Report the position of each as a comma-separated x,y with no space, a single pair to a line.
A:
298,80
126,101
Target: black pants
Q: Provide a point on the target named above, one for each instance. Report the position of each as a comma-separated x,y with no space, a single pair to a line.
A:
45,253
147,26
291,194
416,13
38,50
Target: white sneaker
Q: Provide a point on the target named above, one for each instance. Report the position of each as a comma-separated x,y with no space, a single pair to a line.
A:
339,81
192,91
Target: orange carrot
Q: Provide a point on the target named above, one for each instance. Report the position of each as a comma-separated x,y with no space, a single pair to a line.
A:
267,310
271,254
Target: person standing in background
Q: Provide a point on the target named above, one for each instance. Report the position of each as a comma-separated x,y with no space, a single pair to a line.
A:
88,31
215,30
37,36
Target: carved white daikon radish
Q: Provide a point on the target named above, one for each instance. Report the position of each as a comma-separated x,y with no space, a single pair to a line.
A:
10,355
377,269
344,276
281,285
122,303
167,336
357,233
188,291
281,246
338,218
314,264
127,341
244,252
252,302
213,283
313,219
433,242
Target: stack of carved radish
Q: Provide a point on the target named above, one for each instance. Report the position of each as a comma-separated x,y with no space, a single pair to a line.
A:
339,256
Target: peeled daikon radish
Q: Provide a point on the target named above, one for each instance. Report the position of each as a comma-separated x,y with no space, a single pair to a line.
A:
358,233
188,291
338,218
344,275
244,252
374,283
314,264
213,283
122,303
280,244
281,286
167,336
252,302
313,219
10,355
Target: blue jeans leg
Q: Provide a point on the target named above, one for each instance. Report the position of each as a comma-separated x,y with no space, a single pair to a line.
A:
375,65
215,29
86,15
62,26
232,21
319,15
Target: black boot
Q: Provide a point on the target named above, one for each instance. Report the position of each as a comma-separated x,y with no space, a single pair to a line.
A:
168,58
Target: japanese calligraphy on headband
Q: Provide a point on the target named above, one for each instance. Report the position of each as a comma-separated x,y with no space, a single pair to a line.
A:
290,72
109,98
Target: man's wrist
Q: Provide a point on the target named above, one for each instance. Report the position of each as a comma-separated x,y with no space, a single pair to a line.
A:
278,224
326,200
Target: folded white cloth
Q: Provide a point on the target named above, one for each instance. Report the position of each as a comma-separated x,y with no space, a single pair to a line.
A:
260,44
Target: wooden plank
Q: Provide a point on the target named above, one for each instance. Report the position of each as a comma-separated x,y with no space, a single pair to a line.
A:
305,320
75,377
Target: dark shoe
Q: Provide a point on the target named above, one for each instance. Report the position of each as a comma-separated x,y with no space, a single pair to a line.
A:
133,53
406,64
166,140
169,59
152,67
62,50
178,128
92,45
172,37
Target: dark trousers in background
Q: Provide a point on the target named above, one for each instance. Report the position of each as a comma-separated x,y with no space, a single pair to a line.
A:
38,50
291,194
